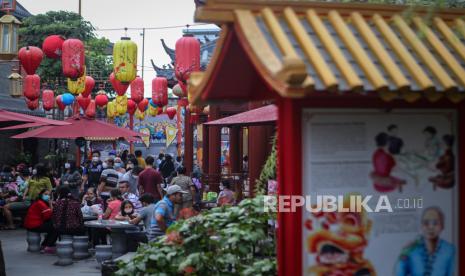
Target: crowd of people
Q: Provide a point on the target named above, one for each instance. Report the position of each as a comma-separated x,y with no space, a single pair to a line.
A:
126,188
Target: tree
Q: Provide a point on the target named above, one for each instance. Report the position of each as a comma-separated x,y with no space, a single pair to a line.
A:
69,25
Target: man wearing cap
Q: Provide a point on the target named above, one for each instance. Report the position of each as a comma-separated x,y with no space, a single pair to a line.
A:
123,186
163,215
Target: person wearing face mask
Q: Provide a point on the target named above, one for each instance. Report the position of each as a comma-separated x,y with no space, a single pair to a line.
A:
123,187
38,182
72,178
91,175
39,219
132,174
119,166
108,180
127,211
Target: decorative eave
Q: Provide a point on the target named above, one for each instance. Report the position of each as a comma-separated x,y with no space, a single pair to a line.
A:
169,51
298,47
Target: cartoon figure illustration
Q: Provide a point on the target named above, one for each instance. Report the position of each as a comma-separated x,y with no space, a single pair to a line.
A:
429,254
432,144
338,240
384,163
445,165
395,143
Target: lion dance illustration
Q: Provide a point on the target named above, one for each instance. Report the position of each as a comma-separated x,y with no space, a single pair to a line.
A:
338,239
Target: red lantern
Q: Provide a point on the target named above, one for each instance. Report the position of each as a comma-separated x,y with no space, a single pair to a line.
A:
131,107
60,103
160,91
137,89
73,58
48,99
52,46
183,86
142,105
101,99
119,87
160,111
183,102
83,101
90,110
187,56
34,104
90,83
31,87
171,112
30,58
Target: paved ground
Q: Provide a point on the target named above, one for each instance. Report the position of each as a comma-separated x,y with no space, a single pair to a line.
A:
19,262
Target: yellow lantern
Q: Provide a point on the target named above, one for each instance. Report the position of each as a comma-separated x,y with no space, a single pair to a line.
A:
111,110
153,111
78,86
121,104
140,115
125,60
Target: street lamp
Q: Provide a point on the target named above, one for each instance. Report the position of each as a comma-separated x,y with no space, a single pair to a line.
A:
16,84
9,36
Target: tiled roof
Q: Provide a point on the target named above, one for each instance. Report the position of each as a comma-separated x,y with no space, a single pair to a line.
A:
351,51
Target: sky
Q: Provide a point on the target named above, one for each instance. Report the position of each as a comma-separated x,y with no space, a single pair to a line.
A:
114,14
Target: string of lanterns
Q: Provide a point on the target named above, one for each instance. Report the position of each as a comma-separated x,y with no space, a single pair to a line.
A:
72,54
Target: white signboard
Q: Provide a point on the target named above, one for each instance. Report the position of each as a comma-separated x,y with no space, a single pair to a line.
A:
403,159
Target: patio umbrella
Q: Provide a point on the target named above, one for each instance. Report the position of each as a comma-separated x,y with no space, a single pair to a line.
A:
89,129
259,116
8,116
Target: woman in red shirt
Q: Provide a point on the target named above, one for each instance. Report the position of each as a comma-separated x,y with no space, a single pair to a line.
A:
39,219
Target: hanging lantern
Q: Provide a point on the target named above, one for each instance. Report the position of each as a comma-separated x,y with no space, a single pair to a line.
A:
30,58
101,99
140,115
60,103
9,26
67,98
77,86
83,101
187,56
125,60
121,104
48,99
118,86
160,91
137,89
52,46
142,105
31,87
16,84
73,58
89,86
160,111
177,91
34,104
153,111
90,110
183,102
132,106
111,109
171,112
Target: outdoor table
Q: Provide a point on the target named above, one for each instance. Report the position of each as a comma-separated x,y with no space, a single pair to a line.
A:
118,236
90,217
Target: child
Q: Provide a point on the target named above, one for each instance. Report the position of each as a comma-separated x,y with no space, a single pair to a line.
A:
127,211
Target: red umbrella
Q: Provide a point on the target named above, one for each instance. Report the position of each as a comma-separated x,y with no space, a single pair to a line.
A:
81,127
7,116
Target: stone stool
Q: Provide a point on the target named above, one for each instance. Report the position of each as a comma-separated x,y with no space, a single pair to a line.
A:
33,241
64,253
80,247
66,238
103,253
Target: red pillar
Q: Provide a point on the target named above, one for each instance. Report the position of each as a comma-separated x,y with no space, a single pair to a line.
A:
205,148
188,142
214,149
234,150
290,183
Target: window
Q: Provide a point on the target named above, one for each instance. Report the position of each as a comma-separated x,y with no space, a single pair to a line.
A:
14,40
5,39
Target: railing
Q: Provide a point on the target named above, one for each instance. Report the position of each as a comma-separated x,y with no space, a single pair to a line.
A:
239,183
